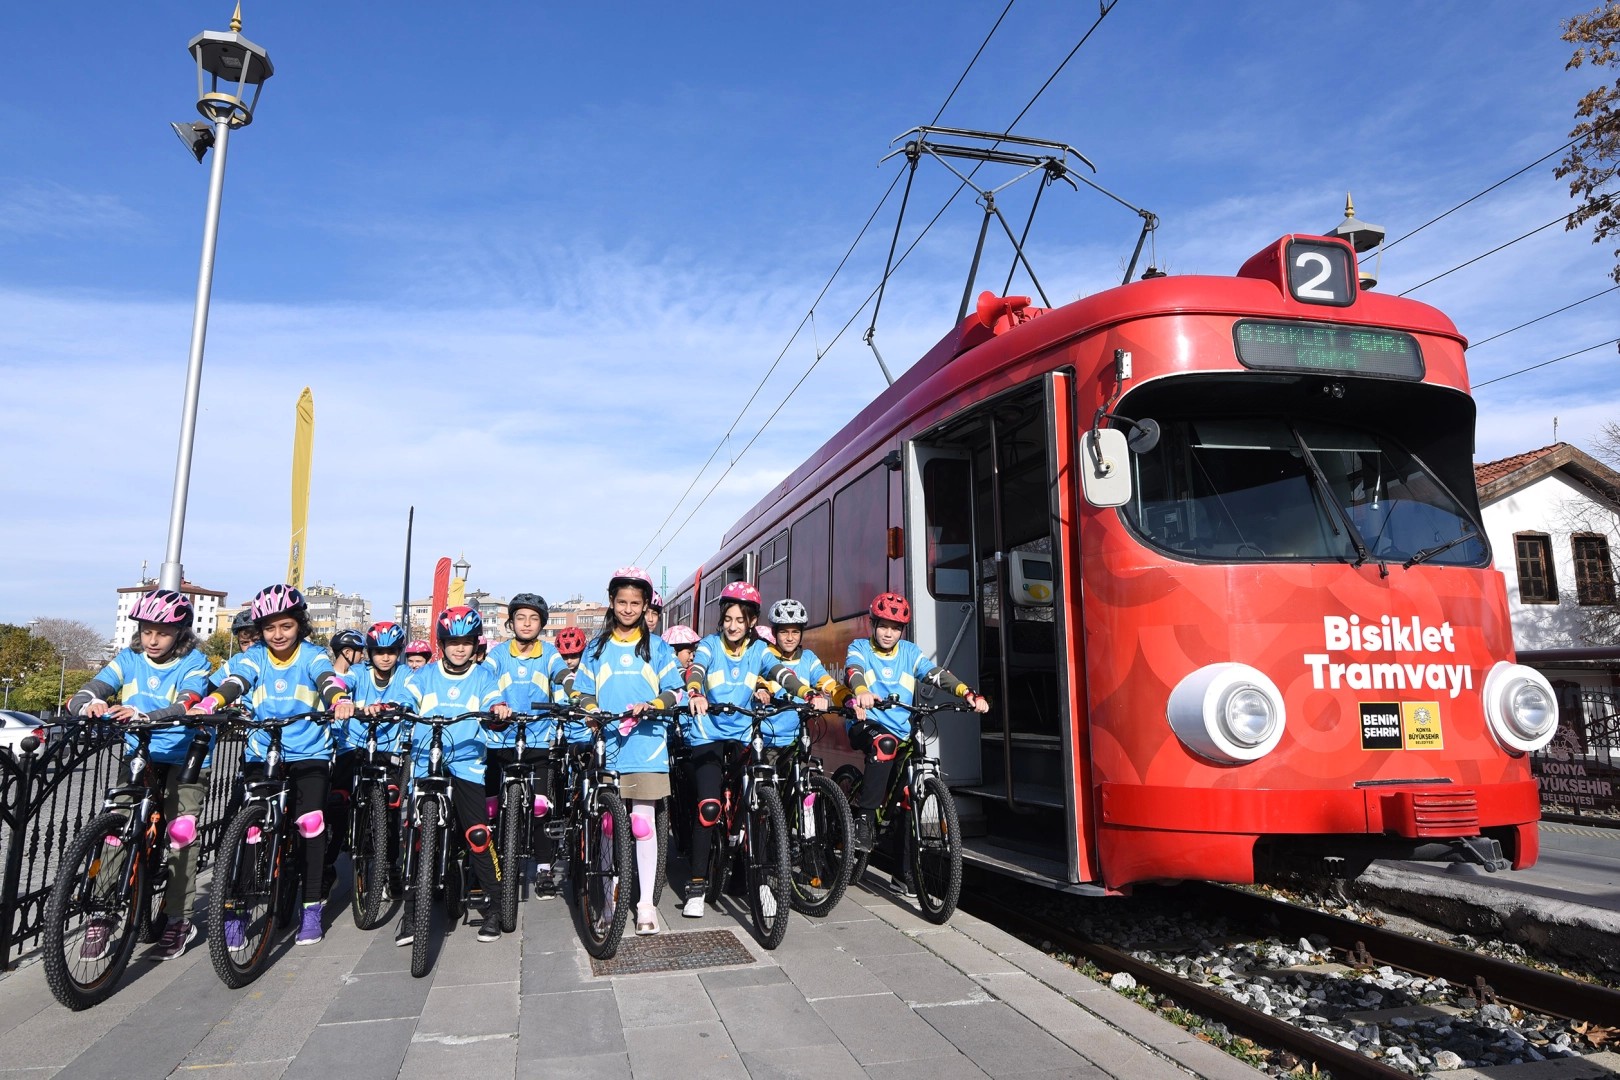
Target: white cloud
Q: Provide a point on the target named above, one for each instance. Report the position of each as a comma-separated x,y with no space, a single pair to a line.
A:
50,209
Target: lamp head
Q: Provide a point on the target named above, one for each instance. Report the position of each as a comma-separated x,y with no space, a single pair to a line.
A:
197,135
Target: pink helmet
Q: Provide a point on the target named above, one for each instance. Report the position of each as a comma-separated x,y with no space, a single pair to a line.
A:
657,601
418,648
273,600
765,634
742,592
162,606
677,636
630,575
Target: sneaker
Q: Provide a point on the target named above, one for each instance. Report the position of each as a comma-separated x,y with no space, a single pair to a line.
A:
646,919
490,928
863,833
309,930
178,934
235,931
97,938
545,885
694,898
404,935
767,902
902,885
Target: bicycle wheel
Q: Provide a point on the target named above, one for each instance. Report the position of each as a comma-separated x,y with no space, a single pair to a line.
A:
368,855
849,780
720,859
604,864
153,920
770,886
427,873
91,917
517,809
936,849
248,877
661,823
818,841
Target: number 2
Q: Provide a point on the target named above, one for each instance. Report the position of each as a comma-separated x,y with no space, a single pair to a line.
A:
1311,290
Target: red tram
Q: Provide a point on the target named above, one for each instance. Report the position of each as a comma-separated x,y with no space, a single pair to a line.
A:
1211,545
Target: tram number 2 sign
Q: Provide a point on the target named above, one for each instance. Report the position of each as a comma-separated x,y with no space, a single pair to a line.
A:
1321,273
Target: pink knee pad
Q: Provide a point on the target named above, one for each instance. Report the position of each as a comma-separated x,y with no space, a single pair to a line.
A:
542,806
607,824
640,827
312,824
113,841
810,801
253,834
492,807
183,831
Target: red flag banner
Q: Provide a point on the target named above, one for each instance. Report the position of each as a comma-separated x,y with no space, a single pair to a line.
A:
441,596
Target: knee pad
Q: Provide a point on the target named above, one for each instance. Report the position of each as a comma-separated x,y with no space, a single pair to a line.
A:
254,834
885,747
312,824
709,812
542,806
478,839
607,824
393,796
640,827
113,841
492,807
183,831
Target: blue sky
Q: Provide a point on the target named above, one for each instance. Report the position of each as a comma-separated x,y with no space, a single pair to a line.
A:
532,258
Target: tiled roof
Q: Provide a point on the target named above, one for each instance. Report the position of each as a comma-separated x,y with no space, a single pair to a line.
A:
1487,471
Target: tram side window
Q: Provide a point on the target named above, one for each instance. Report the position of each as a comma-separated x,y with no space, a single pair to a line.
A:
860,553
773,568
807,569
736,571
946,482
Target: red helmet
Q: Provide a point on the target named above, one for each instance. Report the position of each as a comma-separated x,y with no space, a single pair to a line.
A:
570,641
418,648
742,592
631,575
892,607
678,636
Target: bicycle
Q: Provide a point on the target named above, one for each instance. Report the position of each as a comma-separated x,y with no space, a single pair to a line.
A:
114,875
760,838
375,799
257,875
931,844
819,822
520,809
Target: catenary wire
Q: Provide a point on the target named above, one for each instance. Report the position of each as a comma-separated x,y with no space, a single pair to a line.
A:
1544,363
1493,251
1487,191
1538,318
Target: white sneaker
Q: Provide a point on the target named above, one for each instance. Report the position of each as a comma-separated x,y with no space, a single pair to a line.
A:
694,906
767,902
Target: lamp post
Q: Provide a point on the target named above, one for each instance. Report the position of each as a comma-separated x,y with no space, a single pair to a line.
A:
8,680
229,56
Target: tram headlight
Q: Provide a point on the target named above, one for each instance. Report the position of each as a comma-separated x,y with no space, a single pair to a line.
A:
1520,707
1228,713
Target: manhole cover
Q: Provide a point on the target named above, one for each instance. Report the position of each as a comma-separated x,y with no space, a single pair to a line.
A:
674,952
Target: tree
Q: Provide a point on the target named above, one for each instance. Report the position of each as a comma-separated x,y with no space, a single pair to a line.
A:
220,646
46,691
1606,444
82,644
22,654
1594,160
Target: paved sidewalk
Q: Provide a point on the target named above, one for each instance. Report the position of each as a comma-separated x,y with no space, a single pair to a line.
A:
874,991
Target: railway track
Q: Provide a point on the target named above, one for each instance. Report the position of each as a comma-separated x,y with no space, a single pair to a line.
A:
1348,949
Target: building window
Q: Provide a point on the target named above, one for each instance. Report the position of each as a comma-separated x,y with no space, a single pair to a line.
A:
1537,582
807,572
860,543
1594,574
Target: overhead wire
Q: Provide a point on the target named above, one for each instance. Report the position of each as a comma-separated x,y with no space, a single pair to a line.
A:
1106,6
1493,251
1544,363
1487,191
810,315
1538,318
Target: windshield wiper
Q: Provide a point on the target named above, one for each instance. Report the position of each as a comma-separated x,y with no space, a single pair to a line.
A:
1325,491
1428,553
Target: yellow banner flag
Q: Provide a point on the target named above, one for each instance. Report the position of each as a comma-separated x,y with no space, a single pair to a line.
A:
458,593
303,449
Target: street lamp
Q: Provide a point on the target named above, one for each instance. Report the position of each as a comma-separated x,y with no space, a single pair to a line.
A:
461,566
8,680
229,56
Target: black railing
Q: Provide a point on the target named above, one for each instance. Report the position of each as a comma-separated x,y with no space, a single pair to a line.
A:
1579,771
48,794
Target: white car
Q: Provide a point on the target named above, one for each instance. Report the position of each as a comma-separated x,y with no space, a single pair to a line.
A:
17,726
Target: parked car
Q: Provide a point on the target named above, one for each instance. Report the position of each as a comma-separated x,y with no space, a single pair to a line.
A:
16,726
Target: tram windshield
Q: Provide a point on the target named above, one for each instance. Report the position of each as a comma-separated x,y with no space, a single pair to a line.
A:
1266,489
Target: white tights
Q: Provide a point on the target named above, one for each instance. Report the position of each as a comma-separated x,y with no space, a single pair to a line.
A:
646,849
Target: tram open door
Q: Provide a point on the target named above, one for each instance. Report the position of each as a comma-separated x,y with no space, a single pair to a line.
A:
988,500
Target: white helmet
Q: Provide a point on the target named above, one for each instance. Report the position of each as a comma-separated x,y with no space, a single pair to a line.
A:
789,613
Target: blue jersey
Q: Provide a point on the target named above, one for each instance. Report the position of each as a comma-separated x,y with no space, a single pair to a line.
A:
527,679
275,690
894,674
728,678
783,728
432,691
618,678
150,688
351,734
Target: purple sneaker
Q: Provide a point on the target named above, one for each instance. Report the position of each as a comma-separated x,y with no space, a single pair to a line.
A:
97,938
235,931
309,931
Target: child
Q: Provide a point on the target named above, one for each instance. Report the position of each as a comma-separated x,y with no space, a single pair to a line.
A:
247,635
348,651
370,683
881,666
570,646
655,611
282,676
630,670
163,674
528,672
727,666
684,640
417,654
457,684
788,620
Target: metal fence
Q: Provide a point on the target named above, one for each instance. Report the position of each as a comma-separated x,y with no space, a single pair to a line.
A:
1579,771
47,795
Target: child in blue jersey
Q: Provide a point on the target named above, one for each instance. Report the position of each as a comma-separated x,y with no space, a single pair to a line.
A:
882,666
161,675
369,683
788,620
458,684
285,675
629,670
727,667
570,646
684,640
528,672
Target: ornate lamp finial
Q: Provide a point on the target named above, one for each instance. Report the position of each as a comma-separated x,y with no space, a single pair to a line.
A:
236,18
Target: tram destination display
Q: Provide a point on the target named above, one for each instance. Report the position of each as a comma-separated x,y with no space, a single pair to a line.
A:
1327,347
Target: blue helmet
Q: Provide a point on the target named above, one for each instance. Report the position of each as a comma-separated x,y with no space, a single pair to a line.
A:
459,622
385,635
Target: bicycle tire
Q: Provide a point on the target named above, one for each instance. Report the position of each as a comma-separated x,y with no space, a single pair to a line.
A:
368,856
661,824
935,836
515,807
849,780
769,882
156,889
290,880
601,876
821,870
247,883
720,852
81,866
427,872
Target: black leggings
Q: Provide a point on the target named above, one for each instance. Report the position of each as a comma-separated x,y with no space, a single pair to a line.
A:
470,810
875,783
707,765
541,846
310,783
